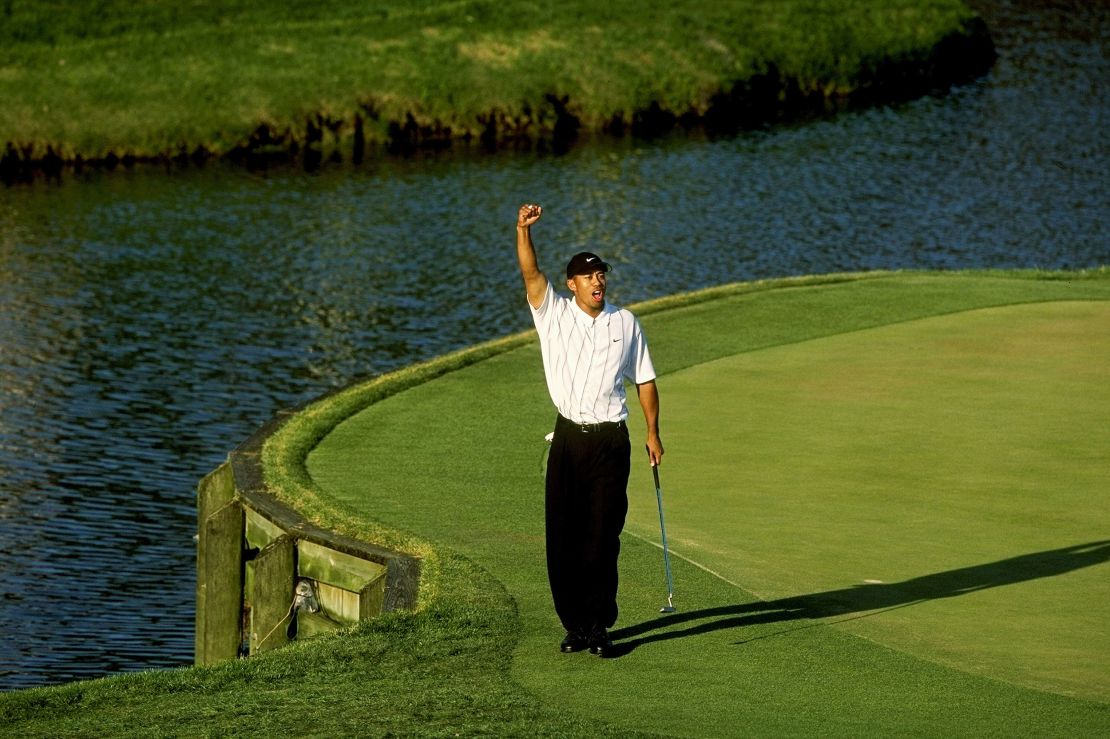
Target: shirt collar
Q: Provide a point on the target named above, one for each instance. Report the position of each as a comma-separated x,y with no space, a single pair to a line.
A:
584,319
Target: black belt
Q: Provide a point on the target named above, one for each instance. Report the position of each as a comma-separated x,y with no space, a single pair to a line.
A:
588,428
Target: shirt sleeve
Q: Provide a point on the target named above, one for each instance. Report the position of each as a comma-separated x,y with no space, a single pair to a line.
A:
543,315
639,368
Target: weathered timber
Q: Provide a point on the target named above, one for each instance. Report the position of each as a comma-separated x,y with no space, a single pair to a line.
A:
220,580
402,571
311,624
335,567
260,531
371,599
252,549
271,595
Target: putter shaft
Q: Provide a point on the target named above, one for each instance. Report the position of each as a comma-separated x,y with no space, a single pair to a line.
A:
669,608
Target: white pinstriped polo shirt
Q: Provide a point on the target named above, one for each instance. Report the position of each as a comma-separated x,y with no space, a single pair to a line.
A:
585,360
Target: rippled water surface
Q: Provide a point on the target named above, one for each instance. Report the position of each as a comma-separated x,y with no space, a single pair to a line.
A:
149,322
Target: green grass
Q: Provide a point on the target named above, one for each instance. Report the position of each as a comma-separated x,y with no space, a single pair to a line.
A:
943,457
150,78
760,501
783,640
435,673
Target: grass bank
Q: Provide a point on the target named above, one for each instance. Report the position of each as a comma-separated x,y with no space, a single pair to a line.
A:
777,642
113,80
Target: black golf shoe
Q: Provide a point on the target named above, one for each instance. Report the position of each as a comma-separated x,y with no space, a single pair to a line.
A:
599,643
573,643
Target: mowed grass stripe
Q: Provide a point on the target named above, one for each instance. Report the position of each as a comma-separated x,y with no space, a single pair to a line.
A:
943,458
458,461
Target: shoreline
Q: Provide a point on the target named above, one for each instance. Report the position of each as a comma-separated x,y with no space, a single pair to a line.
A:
555,123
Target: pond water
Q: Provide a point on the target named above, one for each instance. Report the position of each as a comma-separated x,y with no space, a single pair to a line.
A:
151,321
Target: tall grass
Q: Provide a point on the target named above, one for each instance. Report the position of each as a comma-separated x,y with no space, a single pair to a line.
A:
147,78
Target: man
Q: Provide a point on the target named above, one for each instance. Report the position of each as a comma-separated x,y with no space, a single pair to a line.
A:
589,347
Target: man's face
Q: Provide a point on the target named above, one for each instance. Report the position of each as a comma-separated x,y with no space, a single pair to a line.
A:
589,291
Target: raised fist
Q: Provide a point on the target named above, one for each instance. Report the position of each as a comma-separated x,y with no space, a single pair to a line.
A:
528,214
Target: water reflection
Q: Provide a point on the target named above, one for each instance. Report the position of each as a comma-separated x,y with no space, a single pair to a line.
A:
149,323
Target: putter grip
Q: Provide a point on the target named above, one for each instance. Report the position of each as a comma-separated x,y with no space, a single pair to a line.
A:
654,468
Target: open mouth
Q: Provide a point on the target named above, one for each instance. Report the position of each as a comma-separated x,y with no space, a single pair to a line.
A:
598,295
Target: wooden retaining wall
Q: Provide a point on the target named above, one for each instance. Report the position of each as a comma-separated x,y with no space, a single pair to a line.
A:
258,559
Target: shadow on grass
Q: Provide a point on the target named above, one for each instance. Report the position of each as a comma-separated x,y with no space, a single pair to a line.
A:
860,601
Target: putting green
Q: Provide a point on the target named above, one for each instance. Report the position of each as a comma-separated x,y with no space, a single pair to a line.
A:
938,486
945,435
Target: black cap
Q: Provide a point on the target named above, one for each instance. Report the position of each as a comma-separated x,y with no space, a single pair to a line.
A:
586,263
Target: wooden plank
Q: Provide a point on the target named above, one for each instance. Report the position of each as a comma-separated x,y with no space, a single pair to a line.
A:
216,490
340,604
311,624
220,585
271,597
402,584
335,568
260,531
371,599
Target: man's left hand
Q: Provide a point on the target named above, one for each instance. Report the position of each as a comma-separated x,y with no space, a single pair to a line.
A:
654,449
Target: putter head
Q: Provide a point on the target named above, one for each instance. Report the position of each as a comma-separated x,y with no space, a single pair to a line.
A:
669,608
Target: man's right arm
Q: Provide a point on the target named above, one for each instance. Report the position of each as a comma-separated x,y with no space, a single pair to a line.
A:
534,281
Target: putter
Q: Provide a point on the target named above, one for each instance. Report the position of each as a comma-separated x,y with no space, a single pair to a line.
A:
669,608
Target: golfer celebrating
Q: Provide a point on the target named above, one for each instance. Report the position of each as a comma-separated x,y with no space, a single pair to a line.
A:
589,347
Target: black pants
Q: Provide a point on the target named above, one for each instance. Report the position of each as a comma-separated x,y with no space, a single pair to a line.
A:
586,502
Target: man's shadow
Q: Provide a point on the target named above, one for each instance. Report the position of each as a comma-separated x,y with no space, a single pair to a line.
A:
865,599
